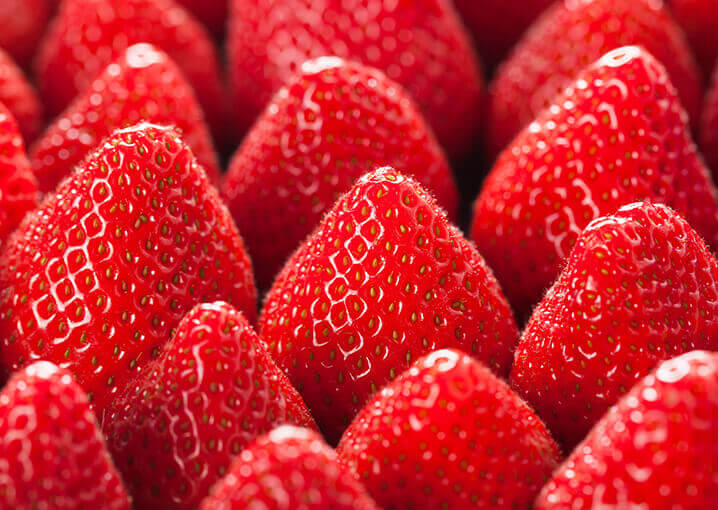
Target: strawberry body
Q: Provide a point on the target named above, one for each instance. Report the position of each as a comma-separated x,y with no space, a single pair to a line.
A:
20,98
213,13
52,454
656,448
447,433
211,392
96,277
420,44
639,287
572,35
87,35
22,23
142,84
383,280
698,18
289,468
18,187
617,135
331,124
709,126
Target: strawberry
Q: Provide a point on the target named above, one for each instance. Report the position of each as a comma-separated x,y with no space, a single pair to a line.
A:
212,13
87,35
699,18
20,98
639,287
497,25
447,433
331,124
22,23
52,454
383,280
18,188
656,448
709,126
142,84
617,135
570,36
420,44
210,393
288,468
96,278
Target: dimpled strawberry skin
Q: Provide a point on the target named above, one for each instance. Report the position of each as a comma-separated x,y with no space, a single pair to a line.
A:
420,44
384,279
571,35
52,454
639,287
20,98
289,468
87,35
212,391
656,448
447,433
331,124
142,84
96,277
617,135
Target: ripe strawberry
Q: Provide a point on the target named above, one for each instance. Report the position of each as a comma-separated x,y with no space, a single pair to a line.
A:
52,454
20,98
447,433
22,23
18,188
616,136
95,279
497,25
87,35
142,84
569,37
639,287
212,13
383,280
211,392
656,448
331,124
419,43
709,126
288,468
699,18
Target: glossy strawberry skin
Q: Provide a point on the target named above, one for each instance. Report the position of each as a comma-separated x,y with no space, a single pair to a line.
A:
52,454
639,287
383,280
289,468
142,84
447,433
420,44
570,36
616,136
698,19
496,25
18,187
22,23
20,98
331,124
87,35
656,448
95,279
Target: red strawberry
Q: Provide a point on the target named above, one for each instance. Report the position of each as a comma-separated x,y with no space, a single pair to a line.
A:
699,19
212,391
383,280
709,126
419,43
289,468
569,37
87,35
22,23
142,84
52,454
18,188
20,98
213,13
616,136
331,124
447,433
497,24
656,448
95,279
640,287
